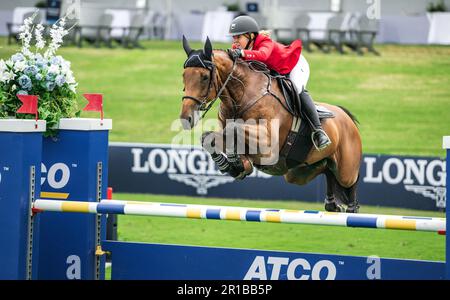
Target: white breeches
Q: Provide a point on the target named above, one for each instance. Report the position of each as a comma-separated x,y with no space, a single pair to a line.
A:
300,74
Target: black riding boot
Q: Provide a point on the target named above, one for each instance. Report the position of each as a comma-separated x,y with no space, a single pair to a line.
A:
319,137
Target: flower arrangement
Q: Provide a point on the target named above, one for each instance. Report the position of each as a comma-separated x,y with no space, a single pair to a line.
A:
40,73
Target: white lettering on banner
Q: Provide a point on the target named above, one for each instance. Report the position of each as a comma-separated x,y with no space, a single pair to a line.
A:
74,268
193,167
369,171
57,168
137,167
259,267
425,177
374,269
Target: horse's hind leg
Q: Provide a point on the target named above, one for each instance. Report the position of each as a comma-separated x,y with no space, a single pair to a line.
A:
331,204
303,174
352,206
338,195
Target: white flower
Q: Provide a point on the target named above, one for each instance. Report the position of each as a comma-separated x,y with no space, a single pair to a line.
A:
13,88
9,63
69,77
7,76
57,34
65,67
3,66
40,42
53,69
25,34
73,87
19,66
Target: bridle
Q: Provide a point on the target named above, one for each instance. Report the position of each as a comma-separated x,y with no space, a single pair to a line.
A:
203,102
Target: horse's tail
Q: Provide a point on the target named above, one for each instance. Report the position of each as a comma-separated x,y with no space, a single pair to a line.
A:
352,116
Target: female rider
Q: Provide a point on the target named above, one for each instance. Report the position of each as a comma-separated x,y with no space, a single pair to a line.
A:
250,44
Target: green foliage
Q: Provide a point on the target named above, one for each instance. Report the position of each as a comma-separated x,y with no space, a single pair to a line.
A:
233,6
41,4
438,7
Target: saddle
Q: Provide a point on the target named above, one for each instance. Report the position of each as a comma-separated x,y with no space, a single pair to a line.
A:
298,143
289,92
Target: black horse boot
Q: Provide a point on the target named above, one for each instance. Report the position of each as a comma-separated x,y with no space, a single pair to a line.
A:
319,138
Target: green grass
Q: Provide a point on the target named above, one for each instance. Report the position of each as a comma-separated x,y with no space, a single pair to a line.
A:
401,98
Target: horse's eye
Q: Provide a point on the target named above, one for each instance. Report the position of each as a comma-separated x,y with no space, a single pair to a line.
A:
205,77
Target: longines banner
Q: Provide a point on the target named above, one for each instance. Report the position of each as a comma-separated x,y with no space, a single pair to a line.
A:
397,181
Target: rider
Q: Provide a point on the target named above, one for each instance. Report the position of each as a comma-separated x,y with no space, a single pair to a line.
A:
251,44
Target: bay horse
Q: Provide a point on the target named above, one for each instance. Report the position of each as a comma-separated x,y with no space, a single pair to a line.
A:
243,92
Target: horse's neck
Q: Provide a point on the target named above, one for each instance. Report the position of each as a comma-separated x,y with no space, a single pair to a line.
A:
236,92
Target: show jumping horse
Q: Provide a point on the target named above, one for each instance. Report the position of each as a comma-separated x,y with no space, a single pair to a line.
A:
248,94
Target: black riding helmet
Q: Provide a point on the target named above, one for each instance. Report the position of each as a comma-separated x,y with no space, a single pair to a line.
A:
243,24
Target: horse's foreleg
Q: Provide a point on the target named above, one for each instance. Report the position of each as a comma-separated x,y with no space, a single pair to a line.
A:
344,181
238,166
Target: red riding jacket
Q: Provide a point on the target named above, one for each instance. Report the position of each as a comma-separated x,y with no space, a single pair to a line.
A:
276,56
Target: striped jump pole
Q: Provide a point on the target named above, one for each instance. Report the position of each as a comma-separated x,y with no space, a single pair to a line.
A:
245,214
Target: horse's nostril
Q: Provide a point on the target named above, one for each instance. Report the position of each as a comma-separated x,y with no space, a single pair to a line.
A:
190,120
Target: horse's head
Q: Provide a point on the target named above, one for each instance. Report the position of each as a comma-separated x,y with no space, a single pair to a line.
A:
199,83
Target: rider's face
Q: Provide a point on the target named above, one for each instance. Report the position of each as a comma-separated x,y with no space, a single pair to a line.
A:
240,41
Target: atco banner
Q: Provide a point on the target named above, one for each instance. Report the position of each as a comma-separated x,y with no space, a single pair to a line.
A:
397,181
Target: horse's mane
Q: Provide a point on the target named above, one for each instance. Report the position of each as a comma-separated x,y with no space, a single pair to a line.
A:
252,65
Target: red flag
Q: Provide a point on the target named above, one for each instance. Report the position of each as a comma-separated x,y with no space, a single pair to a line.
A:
29,106
95,103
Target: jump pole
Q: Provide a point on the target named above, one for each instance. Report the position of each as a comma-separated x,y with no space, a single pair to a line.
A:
245,214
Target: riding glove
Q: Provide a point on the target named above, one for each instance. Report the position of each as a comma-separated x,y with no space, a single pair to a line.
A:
235,53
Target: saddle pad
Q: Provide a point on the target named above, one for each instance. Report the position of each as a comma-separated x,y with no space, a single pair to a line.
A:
298,143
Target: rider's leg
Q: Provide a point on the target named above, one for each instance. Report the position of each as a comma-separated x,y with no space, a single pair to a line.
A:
319,136
299,76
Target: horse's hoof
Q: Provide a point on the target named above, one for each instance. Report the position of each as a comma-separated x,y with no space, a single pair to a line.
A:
333,207
352,209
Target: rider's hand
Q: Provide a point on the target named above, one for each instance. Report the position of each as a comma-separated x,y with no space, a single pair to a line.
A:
235,53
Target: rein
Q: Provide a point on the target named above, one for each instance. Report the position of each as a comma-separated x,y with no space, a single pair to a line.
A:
256,67
204,101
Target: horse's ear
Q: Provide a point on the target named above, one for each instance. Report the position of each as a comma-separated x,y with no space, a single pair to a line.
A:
208,49
186,46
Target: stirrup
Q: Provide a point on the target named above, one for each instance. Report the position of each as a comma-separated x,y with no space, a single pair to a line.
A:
314,142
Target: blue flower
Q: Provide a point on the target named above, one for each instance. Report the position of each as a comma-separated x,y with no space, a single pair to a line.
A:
50,86
55,60
17,57
60,80
50,77
25,82
38,76
31,70
22,92
40,61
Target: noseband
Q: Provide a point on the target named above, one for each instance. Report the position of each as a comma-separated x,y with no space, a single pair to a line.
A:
203,102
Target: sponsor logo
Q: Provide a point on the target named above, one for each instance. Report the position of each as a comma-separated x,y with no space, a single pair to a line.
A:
297,269
190,166
275,268
54,180
420,176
